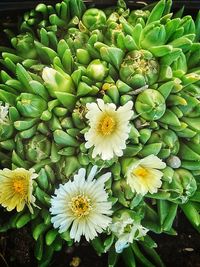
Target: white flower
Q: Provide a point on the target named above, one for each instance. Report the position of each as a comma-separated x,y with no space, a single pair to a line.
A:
126,230
83,205
3,112
143,176
109,128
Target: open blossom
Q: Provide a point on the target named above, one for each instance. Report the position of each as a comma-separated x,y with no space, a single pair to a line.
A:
126,230
3,112
82,204
109,128
16,188
144,175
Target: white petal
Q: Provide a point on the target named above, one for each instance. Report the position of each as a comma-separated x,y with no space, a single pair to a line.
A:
153,161
92,173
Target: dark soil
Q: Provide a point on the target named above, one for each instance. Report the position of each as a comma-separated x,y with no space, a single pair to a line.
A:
183,249
16,250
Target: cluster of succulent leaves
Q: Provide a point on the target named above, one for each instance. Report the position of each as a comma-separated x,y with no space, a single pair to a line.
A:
143,53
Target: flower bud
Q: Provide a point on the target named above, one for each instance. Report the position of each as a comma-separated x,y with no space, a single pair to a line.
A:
97,70
56,81
94,18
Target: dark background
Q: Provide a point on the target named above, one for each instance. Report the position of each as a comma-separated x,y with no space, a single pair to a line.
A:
191,5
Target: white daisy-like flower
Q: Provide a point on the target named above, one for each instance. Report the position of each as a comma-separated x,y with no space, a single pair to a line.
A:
126,230
3,112
82,204
109,128
144,176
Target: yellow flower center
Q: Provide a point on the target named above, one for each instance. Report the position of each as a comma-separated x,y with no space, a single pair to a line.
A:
19,186
107,125
80,205
141,172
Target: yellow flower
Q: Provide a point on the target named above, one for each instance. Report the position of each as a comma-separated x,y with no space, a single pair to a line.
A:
109,128
16,188
143,175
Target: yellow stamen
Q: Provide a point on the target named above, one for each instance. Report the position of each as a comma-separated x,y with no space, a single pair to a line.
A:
107,125
19,186
141,172
80,205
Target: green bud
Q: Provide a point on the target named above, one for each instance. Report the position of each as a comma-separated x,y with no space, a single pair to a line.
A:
97,70
30,105
150,104
94,18
139,68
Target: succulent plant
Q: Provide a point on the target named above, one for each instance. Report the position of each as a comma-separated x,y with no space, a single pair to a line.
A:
111,88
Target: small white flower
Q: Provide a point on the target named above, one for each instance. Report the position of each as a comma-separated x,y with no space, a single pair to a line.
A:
109,128
143,176
83,205
3,112
126,230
